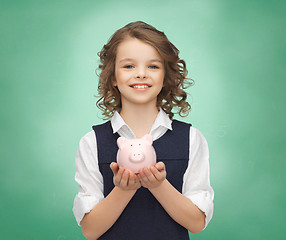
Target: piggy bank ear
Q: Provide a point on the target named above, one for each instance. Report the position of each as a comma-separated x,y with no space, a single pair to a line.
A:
148,139
121,141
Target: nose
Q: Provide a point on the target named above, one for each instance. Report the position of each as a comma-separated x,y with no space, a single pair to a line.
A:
141,73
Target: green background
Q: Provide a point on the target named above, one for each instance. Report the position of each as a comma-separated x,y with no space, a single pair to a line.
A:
235,52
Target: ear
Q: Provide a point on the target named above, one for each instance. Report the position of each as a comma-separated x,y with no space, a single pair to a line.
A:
148,139
114,82
121,141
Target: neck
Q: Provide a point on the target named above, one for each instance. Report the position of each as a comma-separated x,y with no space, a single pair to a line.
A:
139,118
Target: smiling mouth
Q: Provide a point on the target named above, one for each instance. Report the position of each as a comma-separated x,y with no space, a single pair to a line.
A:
140,86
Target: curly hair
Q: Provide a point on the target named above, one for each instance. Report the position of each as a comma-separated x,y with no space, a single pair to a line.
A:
172,95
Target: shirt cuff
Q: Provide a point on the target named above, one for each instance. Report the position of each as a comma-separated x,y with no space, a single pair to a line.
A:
83,204
204,201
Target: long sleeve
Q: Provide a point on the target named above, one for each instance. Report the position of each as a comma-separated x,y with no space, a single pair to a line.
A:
88,177
196,182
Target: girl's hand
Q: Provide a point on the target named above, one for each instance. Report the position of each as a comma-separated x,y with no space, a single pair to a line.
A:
123,178
153,177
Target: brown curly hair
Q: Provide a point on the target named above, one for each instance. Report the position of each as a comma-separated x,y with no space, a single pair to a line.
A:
172,94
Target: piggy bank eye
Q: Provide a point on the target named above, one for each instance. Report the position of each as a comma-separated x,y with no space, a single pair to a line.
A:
139,144
131,145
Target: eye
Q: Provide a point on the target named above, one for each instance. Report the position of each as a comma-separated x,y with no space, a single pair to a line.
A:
153,67
131,145
139,144
128,66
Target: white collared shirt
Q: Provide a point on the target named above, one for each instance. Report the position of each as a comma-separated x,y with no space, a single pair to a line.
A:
196,180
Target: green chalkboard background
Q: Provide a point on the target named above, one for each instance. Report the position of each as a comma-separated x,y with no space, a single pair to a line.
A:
236,53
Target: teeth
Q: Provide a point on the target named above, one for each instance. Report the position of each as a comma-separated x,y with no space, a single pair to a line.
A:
140,86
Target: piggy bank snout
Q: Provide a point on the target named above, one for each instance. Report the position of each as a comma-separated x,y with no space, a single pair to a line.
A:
136,156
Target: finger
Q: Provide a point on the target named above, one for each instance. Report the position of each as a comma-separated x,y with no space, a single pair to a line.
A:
124,179
160,166
155,172
114,167
136,176
141,175
118,176
150,176
137,182
131,181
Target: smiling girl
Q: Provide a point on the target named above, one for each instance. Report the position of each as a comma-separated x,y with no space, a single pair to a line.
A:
142,81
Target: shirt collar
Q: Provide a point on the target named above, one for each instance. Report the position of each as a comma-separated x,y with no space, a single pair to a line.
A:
117,122
162,120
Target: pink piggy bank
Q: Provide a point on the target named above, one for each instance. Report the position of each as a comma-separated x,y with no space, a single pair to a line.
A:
134,154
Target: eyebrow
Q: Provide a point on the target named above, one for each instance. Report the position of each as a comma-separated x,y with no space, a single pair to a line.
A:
131,59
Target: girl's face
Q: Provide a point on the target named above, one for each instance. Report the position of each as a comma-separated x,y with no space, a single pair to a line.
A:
139,72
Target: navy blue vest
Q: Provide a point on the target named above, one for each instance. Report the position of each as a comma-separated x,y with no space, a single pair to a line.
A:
144,218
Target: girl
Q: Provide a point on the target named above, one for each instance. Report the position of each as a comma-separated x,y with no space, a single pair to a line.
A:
142,80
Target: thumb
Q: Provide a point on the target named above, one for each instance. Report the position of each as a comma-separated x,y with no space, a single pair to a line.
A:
114,167
160,166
